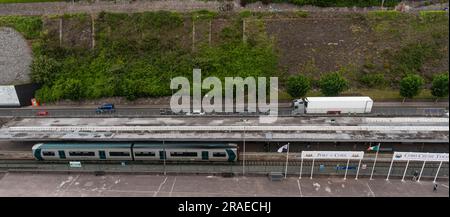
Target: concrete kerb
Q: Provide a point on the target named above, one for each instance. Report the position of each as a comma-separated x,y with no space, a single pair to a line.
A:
228,175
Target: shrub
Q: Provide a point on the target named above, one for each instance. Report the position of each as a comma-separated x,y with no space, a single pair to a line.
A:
410,58
298,86
373,80
29,26
411,86
439,86
332,84
44,70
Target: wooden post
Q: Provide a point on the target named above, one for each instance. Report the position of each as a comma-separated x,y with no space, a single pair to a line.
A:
93,31
193,34
210,29
60,31
243,30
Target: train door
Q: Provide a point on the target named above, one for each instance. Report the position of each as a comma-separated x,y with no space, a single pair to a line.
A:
102,155
162,155
205,155
62,154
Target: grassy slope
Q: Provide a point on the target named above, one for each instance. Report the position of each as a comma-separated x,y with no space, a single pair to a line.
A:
27,1
213,57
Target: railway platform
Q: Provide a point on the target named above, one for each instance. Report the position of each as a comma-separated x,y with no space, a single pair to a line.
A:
121,185
291,129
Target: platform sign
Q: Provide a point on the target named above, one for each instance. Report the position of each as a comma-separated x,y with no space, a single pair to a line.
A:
420,156
333,155
75,164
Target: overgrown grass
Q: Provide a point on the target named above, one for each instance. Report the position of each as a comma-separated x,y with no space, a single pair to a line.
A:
27,1
375,94
137,54
329,3
29,26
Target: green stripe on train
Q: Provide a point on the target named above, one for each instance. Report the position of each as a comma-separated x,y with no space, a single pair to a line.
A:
231,155
37,154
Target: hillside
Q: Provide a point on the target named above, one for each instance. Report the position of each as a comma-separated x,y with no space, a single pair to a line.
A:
81,56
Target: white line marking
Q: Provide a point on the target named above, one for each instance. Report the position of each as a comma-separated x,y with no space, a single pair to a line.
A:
445,186
299,188
370,189
162,183
173,185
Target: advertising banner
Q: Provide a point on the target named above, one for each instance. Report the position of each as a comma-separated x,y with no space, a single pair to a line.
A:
420,156
333,155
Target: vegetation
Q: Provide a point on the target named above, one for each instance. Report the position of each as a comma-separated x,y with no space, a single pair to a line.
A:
376,80
132,61
410,58
29,26
27,1
332,84
298,86
137,54
439,86
411,86
329,3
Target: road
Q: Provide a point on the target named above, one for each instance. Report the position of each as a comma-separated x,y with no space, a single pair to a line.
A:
382,109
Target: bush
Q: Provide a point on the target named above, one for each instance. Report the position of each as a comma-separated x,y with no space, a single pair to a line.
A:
44,70
332,84
439,86
373,80
298,86
411,86
410,58
328,3
29,26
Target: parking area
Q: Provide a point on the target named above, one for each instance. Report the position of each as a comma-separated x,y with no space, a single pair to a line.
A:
115,185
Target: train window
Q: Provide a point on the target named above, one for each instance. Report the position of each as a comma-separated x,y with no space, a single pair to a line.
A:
152,154
219,154
81,153
183,154
119,153
48,153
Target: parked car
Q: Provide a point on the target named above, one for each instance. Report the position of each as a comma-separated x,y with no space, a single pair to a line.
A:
42,113
105,108
196,112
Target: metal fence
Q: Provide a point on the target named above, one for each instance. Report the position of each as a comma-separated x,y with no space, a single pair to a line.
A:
321,168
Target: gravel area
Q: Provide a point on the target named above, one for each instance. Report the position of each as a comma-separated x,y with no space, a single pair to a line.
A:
15,58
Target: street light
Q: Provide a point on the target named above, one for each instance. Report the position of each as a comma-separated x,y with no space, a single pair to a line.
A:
243,155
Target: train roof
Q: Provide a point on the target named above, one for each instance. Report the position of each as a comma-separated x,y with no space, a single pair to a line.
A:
183,145
86,145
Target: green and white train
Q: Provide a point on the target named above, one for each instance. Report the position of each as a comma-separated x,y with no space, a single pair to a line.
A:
153,151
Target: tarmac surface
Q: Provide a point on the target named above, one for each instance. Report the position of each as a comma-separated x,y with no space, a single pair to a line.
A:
89,185
362,129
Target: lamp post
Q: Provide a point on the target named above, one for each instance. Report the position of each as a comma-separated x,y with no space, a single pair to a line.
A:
243,155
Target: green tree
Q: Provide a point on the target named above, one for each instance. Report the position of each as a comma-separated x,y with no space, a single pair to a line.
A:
332,84
298,86
72,89
439,86
410,86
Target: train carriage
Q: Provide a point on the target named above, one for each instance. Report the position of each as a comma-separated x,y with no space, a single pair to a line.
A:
157,151
82,151
185,151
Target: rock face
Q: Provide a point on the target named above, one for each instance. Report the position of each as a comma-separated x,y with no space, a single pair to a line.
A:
15,58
